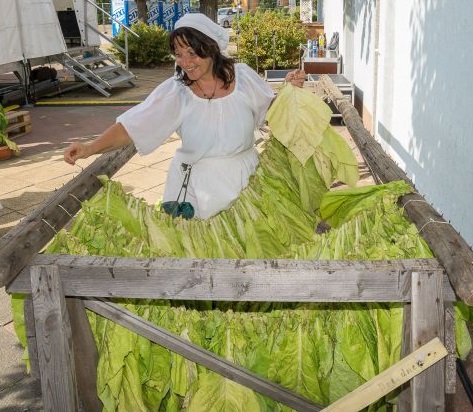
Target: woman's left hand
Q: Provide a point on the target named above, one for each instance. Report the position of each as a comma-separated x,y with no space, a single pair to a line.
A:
296,77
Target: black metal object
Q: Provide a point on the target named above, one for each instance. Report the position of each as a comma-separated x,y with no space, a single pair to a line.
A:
69,26
465,380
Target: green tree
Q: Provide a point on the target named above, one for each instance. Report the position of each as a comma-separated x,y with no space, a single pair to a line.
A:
150,49
256,47
267,4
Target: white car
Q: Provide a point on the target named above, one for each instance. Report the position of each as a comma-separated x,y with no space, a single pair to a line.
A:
226,15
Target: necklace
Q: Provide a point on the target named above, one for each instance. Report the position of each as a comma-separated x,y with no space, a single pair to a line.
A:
206,96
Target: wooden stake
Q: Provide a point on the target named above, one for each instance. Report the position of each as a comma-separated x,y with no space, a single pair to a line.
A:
391,378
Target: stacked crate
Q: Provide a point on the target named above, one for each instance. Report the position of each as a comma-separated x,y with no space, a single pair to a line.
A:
19,124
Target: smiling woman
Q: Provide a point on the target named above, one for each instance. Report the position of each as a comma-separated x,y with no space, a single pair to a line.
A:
200,103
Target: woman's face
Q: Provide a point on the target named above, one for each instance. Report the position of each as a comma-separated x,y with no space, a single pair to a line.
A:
193,65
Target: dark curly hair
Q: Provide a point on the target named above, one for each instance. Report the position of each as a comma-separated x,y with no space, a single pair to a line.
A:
223,67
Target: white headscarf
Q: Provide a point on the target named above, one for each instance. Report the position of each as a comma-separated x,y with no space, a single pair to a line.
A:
206,26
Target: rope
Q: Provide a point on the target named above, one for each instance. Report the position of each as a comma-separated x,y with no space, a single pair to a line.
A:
432,221
51,226
414,200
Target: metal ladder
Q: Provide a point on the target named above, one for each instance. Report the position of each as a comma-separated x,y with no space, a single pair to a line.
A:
96,68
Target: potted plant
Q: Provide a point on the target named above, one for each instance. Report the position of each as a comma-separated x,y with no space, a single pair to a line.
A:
8,147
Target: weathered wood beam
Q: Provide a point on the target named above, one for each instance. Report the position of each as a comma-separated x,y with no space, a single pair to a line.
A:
53,337
27,238
235,280
450,344
428,322
201,356
451,250
86,354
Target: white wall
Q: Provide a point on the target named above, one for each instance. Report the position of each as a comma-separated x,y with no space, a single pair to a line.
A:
424,92
62,5
333,20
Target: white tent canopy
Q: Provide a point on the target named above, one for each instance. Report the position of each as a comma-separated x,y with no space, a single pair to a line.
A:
29,29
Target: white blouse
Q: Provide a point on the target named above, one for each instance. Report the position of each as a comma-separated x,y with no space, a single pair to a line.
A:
217,137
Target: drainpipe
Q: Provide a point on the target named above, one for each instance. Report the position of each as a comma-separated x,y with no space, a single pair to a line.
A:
374,126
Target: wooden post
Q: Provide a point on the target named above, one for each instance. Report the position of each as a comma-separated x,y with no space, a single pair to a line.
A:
53,335
404,398
450,344
428,388
31,337
85,350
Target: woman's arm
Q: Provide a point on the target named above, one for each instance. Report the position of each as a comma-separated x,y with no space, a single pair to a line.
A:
113,138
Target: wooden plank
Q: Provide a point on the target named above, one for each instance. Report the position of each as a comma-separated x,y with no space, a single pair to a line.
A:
428,389
404,398
26,239
31,337
407,368
53,335
85,350
16,118
18,130
451,250
450,344
19,124
201,356
236,280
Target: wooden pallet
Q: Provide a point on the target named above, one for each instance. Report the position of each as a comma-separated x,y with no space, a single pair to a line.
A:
19,124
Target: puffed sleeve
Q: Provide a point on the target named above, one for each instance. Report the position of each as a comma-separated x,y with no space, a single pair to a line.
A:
152,121
258,92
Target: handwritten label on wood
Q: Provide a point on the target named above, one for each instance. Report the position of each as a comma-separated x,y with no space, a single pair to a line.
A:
393,377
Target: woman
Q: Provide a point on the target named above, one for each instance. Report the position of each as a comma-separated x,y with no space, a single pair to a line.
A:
213,104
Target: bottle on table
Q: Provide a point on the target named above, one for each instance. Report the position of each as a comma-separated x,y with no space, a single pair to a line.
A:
321,42
314,48
321,45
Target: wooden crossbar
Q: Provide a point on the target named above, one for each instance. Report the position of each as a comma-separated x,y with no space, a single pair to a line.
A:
236,279
424,286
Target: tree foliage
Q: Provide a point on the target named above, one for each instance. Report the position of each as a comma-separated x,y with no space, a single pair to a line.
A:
255,43
150,49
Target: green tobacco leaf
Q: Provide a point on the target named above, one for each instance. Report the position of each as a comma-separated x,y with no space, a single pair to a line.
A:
341,205
298,119
462,334
343,162
216,393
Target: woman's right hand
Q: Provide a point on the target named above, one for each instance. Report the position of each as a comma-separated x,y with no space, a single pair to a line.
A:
113,138
76,151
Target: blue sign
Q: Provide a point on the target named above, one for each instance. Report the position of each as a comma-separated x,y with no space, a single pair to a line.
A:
159,12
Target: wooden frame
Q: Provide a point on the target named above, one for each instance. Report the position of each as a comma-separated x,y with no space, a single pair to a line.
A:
419,284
